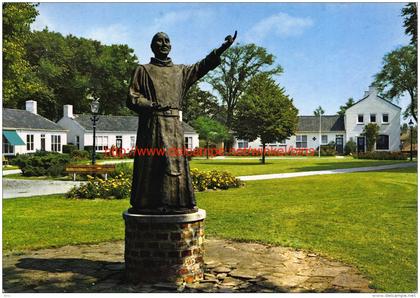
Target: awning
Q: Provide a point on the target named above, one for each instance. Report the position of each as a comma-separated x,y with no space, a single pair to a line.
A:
13,137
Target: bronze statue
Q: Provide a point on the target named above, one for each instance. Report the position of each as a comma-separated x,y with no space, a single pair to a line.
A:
162,183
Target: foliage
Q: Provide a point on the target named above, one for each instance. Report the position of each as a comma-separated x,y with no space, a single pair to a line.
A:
398,76
42,163
118,188
19,80
69,148
409,12
125,168
79,155
240,64
371,132
265,111
328,150
347,105
319,111
350,147
214,179
381,155
198,103
210,130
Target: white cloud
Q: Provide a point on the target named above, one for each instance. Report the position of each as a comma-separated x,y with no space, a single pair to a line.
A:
41,22
280,24
112,34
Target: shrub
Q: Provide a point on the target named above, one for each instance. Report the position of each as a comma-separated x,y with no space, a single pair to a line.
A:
126,168
350,147
79,154
382,155
203,180
42,164
69,148
118,187
327,150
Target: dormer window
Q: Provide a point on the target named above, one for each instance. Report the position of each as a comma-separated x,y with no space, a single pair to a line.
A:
385,118
360,118
373,118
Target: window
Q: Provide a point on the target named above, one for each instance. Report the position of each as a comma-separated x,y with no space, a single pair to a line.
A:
385,118
42,142
242,144
188,143
101,143
132,141
324,139
118,141
77,141
360,118
301,141
373,118
7,147
382,142
30,142
55,143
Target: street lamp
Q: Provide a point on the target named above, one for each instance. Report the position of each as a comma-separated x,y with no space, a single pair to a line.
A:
411,124
94,108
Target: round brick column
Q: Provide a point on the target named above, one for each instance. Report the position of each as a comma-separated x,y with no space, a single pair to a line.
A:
164,248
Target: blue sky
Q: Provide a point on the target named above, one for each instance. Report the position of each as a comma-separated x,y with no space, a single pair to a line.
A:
329,51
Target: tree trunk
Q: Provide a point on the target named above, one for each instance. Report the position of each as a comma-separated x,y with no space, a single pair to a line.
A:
263,154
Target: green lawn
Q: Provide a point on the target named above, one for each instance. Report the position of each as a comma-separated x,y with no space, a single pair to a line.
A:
241,167
9,167
365,219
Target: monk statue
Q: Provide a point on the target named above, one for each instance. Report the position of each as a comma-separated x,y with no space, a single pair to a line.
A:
161,179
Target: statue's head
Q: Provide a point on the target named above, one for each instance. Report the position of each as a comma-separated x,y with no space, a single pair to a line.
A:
161,45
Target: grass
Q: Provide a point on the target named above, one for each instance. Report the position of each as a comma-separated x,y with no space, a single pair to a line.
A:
241,167
370,223
10,167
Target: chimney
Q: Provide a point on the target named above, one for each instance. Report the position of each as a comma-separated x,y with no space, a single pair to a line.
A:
31,106
366,94
372,90
68,111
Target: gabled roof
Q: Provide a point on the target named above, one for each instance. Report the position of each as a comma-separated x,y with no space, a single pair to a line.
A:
377,96
328,123
22,119
116,123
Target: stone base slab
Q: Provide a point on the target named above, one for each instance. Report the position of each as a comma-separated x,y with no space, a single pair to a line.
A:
164,248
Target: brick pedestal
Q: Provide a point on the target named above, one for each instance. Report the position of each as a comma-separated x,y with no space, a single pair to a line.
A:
164,248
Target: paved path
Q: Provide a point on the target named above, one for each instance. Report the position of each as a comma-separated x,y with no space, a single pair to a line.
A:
230,267
10,172
16,188
326,172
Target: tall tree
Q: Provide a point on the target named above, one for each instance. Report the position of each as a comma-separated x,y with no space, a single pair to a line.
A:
398,76
371,132
197,103
347,105
409,12
210,130
265,111
18,76
239,65
319,111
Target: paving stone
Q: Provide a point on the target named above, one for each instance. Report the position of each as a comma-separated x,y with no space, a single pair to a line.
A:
230,281
221,276
222,269
244,274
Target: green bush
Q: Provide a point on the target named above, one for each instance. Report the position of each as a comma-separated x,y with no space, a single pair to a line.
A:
79,155
42,164
350,147
69,148
214,179
126,168
385,155
118,187
328,150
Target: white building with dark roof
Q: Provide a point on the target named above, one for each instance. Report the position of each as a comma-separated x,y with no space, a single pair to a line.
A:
340,129
24,131
118,131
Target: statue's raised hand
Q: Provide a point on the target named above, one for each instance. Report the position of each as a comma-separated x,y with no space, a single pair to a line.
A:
229,40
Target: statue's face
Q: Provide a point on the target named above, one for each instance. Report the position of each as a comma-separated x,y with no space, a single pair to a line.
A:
161,45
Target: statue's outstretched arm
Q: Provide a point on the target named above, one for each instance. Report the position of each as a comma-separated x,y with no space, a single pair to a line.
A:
229,40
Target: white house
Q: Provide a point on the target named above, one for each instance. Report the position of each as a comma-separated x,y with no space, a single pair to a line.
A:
118,131
24,131
340,129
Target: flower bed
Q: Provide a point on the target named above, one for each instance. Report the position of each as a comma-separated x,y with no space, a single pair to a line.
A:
203,180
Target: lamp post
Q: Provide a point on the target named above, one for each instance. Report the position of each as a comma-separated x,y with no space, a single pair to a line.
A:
94,108
411,124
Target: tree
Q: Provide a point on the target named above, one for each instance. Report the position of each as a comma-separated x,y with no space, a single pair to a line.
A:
210,130
409,12
398,76
239,65
371,132
265,111
344,108
18,76
319,111
197,103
